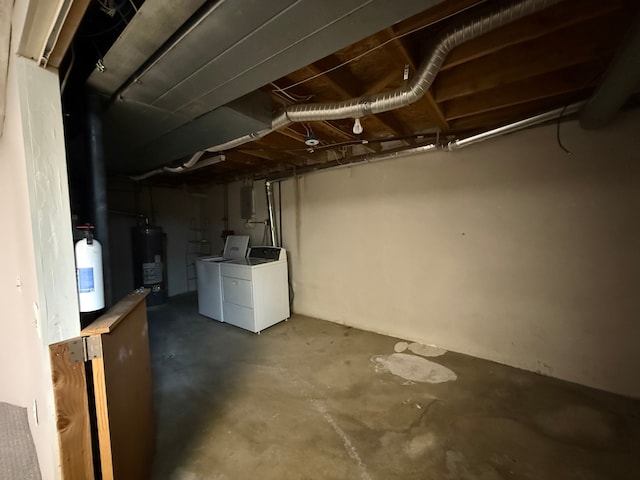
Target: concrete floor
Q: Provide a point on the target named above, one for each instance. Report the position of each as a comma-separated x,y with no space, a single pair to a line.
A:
309,399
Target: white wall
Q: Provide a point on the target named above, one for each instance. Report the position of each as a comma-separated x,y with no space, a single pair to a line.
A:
185,214
509,250
175,211
46,168
214,205
22,370
37,278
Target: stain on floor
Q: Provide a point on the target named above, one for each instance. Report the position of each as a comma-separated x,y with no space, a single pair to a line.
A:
413,368
303,400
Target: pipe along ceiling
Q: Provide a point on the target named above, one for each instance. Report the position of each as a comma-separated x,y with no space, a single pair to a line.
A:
177,85
383,102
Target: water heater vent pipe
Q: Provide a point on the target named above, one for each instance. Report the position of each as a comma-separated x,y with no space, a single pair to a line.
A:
274,234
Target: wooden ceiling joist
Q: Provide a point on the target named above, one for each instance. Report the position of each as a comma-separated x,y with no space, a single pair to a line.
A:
539,63
551,20
237,157
324,131
434,15
535,88
281,150
528,59
271,158
399,48
343,82
504,116
292,134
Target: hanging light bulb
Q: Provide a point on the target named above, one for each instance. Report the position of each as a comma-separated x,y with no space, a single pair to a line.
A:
311,141
357,127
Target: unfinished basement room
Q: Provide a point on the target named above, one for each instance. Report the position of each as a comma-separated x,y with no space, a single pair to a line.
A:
320,239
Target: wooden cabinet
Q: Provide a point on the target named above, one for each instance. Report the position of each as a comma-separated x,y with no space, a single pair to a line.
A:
120,398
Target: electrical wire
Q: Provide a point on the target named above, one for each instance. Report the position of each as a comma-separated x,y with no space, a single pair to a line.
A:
372,49
587,85
324,146
127,13
106,30
105,5
306,148
290,96
123,18
282,97
558,138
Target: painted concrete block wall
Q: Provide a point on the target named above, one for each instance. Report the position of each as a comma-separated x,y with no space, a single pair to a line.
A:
178,211
175,210
214,205
509,250
121,256
35,246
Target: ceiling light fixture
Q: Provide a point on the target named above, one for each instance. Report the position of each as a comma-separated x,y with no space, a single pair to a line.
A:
357,127
311,141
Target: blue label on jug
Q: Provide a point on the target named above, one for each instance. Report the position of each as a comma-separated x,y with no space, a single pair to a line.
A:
85,280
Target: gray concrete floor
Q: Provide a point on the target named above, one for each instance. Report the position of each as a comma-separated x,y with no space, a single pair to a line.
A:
307,399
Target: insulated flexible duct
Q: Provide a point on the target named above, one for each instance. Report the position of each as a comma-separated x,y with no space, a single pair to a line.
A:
401,97
555,114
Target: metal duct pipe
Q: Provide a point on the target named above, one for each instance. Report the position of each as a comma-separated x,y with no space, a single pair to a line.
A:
359,160
193,164
454,145
401,97
514,127
274,236
188,27
192,161
278,122
621,81
99,189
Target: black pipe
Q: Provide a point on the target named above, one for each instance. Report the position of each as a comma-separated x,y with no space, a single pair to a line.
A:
98,188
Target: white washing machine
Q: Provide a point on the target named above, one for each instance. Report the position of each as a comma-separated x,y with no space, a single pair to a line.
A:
209,278
255,290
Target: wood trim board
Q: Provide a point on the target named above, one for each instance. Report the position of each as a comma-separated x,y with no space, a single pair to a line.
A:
109,321
123,391
72,411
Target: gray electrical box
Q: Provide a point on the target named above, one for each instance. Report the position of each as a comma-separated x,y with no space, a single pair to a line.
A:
247,203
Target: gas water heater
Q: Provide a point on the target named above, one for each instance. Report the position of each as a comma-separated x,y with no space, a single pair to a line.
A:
148,261
89,271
